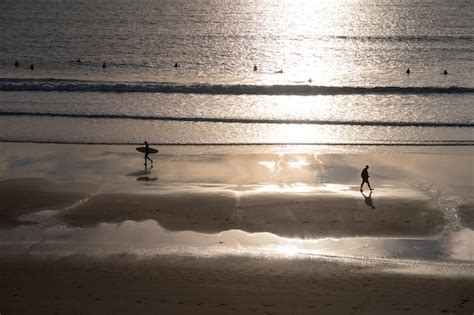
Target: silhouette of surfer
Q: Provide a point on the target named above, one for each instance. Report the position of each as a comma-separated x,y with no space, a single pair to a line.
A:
32,67
365,177
16,63
255,68
408,71
104,65
176,65
147,152
368,199
445,72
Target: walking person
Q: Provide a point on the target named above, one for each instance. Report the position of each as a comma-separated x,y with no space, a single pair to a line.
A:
147,152
365,177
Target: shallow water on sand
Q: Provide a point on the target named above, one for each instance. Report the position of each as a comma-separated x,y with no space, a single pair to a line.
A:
281,193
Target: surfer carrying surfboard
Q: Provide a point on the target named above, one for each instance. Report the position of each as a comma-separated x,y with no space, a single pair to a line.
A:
147,152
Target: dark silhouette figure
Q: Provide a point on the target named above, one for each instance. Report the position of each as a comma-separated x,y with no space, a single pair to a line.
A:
279,71
365,177
408,71
104,65
445,72
78,60
368,199
32,67
176,65
146,156
255,68
17,64
310,80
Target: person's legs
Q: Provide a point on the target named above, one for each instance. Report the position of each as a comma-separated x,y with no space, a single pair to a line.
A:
362,184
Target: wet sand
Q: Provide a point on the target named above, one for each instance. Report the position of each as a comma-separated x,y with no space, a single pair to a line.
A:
299,215
79,228
29,195
234,285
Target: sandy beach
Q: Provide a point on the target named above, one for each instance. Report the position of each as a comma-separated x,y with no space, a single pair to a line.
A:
225,285
86,230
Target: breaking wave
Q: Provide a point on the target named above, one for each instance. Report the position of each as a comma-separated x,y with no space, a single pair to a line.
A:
242,120
57,85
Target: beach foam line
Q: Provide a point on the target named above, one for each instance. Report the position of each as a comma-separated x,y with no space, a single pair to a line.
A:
57,85
244,120
427,143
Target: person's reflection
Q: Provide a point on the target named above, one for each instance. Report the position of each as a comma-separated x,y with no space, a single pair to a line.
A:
368,199
146,179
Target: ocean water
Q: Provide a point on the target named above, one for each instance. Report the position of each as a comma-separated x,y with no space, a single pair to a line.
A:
328,72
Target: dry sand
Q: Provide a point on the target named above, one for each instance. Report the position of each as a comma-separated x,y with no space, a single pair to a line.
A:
226,285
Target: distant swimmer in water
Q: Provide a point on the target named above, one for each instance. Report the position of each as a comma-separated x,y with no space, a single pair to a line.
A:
365,177
310,80
445,72
78,60
104,65
255,68
17,64
279,71
176,65
408,71
32,67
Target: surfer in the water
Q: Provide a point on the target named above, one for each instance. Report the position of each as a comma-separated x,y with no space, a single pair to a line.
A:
147,152
365,177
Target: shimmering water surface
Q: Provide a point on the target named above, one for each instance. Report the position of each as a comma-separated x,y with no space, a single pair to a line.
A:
327,71
341,42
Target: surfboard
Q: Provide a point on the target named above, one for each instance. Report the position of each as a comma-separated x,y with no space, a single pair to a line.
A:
150,150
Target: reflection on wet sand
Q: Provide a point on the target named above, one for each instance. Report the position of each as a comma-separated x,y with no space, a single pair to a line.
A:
368,199
284,202
303,215
148,238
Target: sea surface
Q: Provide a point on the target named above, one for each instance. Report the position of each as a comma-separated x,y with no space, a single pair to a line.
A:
327,72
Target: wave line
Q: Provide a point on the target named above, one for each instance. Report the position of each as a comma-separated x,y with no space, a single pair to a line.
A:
243,120
428,143
58,85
